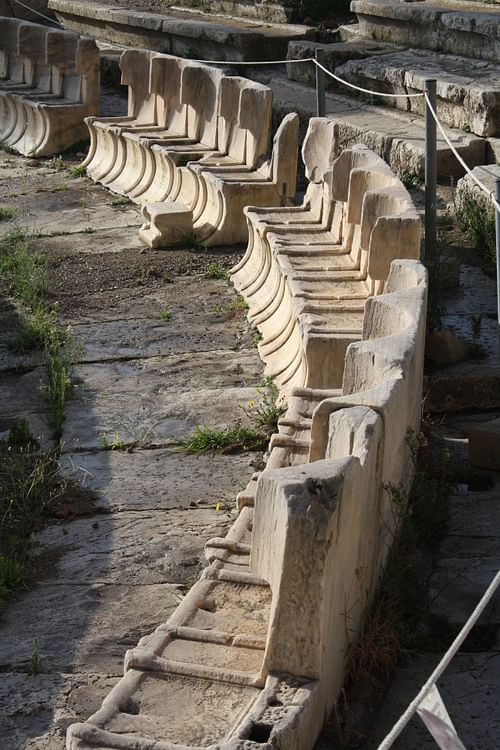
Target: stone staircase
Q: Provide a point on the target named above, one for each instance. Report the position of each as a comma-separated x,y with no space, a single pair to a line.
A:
396,46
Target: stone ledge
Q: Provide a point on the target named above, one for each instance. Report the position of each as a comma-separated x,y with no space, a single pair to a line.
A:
472,34
179,35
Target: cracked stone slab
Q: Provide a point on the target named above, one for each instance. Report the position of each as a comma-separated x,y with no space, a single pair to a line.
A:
195,322
160,399
37,709
469,687
81,628
131,304
150,547
159,479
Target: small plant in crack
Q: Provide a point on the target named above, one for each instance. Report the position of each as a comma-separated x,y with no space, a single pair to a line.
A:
77,171
113,444
216,271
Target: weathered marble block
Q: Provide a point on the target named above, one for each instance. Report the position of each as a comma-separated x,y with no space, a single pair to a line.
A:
49,82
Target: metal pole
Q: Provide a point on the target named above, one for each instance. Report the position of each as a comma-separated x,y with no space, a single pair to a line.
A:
319,56
497,237
430,174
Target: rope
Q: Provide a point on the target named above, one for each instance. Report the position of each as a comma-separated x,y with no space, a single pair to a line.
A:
366,91
443,664
478,182
255,62
32,10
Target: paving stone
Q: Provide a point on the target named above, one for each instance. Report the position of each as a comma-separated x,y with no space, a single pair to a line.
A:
484,445
158,399
21,397
469,688
37,709
81,628
150,547
193,325
159,479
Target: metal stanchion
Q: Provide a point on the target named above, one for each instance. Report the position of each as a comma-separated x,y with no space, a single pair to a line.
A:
319,56
430,175
497,239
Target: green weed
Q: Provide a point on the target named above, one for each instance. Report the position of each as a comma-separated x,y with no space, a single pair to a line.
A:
7,213
165,314
77,171
267,410
232,439
115,444
120,200
26,271
234,309
216,271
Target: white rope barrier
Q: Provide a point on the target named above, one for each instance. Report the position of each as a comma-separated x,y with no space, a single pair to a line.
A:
478,182
37,12
253,62
365,91
443,664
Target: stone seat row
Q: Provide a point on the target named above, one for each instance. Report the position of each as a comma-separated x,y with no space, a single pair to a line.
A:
193,149
49,82
310,551
308,270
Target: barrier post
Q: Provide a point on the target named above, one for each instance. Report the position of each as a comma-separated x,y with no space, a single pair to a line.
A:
319,56
430,174
497,239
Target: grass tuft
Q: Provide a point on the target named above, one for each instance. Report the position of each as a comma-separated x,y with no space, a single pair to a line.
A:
232,439
216,271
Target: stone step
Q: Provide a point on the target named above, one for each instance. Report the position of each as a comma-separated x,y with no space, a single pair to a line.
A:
399,137
274,12
449,27
179,32
334,54
468,91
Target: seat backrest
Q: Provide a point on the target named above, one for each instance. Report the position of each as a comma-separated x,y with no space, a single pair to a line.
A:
33,47
231,139
135,67
61,56
165,83
11,60
319,149
200,86
255,117
284,156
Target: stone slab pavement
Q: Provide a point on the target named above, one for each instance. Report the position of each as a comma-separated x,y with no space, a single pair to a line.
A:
161,349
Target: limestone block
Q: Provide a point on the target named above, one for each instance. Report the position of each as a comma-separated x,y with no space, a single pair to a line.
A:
51,84
484,445
166,224
468,91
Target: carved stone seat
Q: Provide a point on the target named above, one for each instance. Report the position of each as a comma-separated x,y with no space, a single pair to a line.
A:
197,136
49,82
307,283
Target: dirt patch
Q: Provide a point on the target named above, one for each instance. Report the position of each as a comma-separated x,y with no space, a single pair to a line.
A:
72,277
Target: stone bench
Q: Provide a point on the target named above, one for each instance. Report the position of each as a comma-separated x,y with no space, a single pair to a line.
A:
310,551
49,81
306,282
196,136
